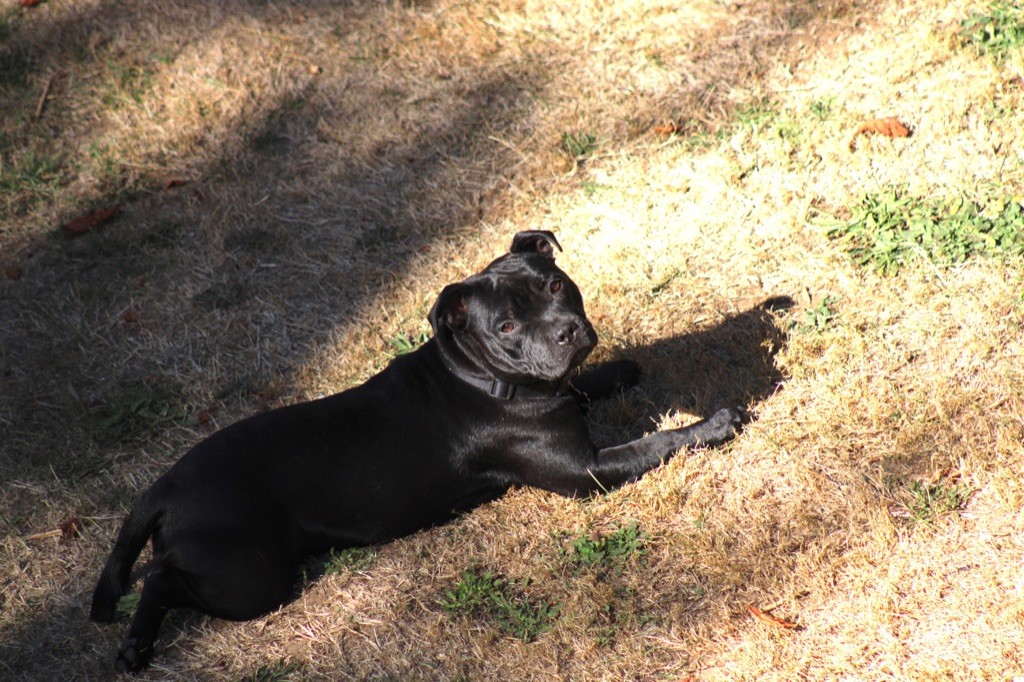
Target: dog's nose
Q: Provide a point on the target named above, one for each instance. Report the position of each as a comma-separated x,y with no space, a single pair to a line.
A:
567,334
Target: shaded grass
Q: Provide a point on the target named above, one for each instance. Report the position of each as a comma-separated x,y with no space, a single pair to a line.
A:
26,178
136,411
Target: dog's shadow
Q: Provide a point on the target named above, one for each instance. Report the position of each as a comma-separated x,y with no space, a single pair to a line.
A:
730,364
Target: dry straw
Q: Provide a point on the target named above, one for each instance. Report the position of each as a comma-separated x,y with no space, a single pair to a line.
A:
298,181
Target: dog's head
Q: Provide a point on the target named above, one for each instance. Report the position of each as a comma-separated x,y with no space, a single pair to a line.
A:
520,320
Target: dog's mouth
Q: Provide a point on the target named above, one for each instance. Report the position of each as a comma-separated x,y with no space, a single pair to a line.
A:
585,342
580,356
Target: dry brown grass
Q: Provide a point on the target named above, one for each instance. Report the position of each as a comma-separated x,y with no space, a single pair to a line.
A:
342,161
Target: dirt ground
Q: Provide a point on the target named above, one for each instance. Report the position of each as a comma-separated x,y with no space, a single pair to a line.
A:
211,209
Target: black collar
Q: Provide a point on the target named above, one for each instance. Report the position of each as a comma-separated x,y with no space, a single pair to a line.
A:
503,390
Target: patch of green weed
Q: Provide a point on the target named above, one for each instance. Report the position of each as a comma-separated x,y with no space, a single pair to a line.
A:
822,109
608,550
349,559
27,178
932,500
15,67
135,411
889,230
127,604
701,138
281,671
756,114
996,31
579,146
128,84
484,593
763,118
8,17
822,316
407,343
106,161
661,286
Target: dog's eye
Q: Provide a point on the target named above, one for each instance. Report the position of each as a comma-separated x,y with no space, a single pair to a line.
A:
508,327
555,286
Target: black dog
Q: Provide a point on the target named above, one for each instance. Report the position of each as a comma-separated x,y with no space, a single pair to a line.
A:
485,405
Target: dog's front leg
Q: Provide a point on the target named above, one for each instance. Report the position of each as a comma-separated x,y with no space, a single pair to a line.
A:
575,473
624,463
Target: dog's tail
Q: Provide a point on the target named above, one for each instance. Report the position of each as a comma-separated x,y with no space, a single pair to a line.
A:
135,532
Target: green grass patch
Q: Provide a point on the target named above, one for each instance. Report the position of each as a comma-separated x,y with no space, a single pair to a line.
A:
701,138
349,559
27,178
127,85
107,166
822,316
579,146
665,283
8,17
763,119
277,672
136,411
822,109
15,68
996,31
929,501
590,189
482,593
127,604
608,551
407,343
756,114
889,230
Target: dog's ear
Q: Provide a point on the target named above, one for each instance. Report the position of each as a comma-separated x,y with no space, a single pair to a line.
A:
535,241
451,308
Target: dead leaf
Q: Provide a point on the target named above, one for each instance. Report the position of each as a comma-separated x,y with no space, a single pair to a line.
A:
174,182
71,528
204,417
889,127
29,3
768,618
666,129
90,221
130,315
12,272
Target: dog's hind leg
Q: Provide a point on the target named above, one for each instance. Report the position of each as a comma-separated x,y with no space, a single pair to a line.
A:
160,593
134,533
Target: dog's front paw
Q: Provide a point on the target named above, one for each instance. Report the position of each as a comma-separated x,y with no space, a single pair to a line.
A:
605,380
623,374
726,423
